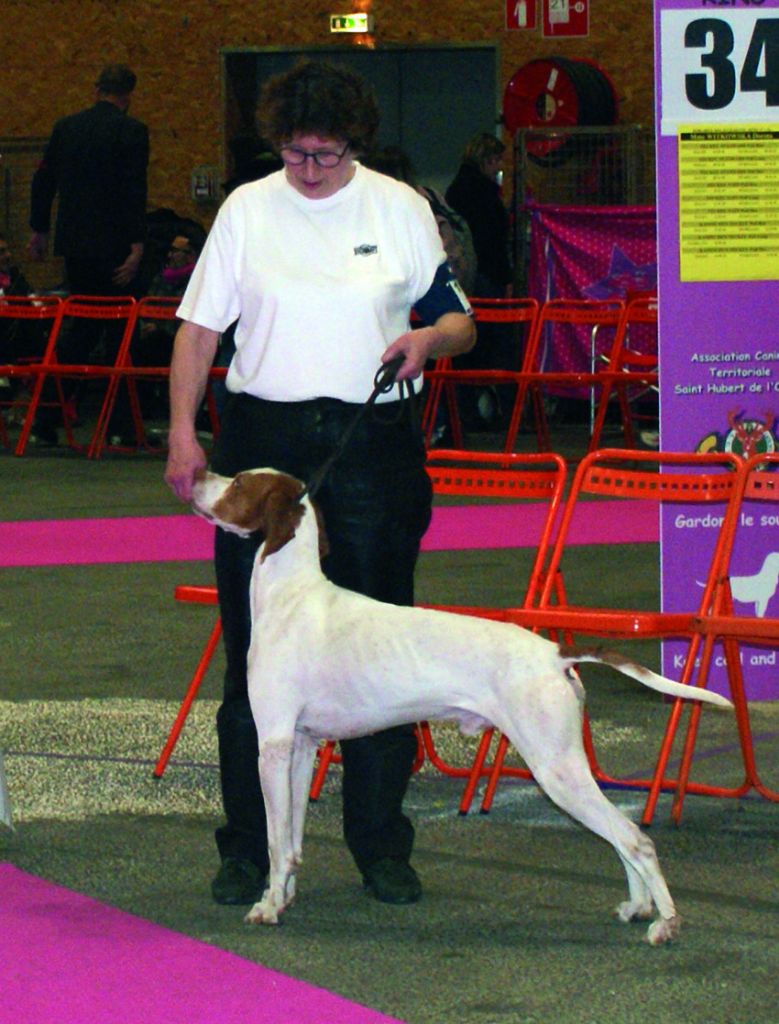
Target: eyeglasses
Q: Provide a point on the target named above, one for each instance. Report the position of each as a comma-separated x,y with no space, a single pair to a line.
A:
295,156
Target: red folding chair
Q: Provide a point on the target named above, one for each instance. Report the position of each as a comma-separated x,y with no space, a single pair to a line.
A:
151,308
584,326
197,595
631,372
759,489
21,310
76,309
535,482
444,380
603,482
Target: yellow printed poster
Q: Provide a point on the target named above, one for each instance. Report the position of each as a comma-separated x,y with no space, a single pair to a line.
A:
729,202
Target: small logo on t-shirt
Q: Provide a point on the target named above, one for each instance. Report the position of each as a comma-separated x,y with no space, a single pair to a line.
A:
365,249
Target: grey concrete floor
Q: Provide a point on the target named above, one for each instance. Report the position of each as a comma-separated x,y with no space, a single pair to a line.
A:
515,926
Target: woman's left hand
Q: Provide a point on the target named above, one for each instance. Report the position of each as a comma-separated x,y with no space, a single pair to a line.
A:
415,347
450,335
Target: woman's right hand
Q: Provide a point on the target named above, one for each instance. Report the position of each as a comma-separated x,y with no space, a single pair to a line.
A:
193,354
185,458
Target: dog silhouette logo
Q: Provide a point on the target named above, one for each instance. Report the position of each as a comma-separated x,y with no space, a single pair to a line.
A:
759,588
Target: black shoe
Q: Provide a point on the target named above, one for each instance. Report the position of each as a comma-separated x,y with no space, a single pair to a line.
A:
392,881
237,882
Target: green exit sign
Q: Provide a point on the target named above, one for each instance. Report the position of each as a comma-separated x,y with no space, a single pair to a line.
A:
351,23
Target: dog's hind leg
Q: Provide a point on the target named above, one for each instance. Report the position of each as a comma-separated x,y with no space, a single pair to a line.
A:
569,783
640,906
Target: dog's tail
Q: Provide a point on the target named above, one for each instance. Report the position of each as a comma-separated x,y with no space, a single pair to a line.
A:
571,655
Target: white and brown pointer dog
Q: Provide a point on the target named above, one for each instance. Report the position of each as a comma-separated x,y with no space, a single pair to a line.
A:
323,663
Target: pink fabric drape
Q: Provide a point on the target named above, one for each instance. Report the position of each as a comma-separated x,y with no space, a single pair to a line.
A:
588,252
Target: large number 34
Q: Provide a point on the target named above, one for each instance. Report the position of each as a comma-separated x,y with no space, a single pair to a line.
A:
716,90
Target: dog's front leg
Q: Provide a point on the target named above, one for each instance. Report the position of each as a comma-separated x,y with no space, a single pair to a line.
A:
276,779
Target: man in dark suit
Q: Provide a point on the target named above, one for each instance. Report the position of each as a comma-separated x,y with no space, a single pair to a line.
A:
96,160
96,163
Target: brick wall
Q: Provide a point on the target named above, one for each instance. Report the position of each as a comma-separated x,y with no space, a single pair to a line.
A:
51,50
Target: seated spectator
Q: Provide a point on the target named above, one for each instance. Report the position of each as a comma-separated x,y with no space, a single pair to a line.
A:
180,261
153,344
19,339
12,280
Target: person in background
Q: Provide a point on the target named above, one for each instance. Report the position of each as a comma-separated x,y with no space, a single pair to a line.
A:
153,344
12,280
320,263
18,338
186,246
460,254
453,229
95,162
475,194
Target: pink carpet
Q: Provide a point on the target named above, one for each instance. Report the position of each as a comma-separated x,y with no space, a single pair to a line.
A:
67,959
187,538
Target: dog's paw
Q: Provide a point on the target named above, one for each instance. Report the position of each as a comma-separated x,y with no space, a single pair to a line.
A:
664,930
264,912
632,910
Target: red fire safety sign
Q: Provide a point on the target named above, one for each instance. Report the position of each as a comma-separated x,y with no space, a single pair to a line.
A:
520,13
566,17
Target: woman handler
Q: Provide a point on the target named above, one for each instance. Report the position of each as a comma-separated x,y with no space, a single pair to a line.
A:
320,263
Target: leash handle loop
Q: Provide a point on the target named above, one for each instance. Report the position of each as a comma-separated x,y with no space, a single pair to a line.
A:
385,377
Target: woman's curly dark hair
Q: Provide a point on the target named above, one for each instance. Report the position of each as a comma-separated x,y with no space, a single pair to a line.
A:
318,98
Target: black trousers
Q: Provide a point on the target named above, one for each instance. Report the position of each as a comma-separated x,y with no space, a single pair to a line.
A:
376,502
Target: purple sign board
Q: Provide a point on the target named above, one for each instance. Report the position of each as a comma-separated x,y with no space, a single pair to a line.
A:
717,147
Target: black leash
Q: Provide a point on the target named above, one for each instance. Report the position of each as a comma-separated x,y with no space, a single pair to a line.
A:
383,382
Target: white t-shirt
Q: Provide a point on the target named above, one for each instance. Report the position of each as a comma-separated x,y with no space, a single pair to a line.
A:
320,287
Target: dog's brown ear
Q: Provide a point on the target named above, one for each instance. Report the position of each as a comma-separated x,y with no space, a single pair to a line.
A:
281,513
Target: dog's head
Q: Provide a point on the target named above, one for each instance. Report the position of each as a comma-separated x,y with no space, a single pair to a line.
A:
262,501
